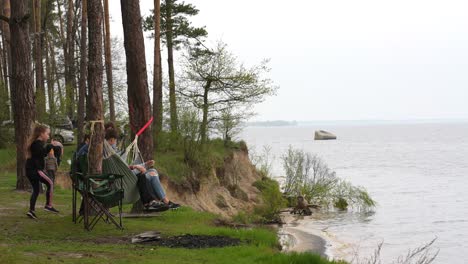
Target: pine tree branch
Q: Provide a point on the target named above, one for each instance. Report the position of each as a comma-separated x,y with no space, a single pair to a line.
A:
4,18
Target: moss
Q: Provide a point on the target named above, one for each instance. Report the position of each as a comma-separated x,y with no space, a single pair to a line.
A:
237,192
221,202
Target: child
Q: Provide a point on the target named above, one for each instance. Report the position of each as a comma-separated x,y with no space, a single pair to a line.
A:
51,164
34,169
58,150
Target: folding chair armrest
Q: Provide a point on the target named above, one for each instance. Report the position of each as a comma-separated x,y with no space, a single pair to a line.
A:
79,176
103,176
117,176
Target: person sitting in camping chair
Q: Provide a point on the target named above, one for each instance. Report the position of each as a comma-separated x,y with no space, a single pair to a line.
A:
148,178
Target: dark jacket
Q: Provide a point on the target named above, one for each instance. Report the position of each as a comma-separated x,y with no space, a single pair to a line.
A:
36,161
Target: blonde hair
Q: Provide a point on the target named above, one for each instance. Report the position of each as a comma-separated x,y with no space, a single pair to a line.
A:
37,131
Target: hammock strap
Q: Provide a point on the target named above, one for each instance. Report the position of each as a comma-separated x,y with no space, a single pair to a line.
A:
144,127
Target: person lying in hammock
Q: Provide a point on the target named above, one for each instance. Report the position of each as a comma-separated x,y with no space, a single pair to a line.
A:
150,201
148,178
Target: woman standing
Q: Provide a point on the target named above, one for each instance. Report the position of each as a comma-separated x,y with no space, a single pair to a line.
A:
35,166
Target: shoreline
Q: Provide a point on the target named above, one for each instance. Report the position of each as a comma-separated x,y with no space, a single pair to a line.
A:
293,239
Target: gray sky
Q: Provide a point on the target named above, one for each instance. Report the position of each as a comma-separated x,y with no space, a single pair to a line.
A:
346,60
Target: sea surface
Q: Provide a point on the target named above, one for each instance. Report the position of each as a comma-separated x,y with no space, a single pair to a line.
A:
417,172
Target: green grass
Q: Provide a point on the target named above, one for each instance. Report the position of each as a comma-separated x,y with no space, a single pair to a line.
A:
56,239
170,159
8,159
172,163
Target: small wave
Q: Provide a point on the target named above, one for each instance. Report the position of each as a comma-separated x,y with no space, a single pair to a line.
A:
450,221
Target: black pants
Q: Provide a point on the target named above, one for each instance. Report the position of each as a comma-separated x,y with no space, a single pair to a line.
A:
36,178
146,194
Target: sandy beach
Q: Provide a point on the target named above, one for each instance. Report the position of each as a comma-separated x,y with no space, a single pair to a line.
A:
293,239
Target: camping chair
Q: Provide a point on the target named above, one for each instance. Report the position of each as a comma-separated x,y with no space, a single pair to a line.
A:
99,191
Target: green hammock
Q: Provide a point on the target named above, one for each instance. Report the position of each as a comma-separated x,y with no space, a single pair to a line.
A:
114,164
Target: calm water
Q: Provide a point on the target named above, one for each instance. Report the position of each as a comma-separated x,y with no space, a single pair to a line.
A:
418,174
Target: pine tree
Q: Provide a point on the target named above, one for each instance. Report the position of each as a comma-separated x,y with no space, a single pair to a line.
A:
139,103
177,30
22,91
95,84
108,60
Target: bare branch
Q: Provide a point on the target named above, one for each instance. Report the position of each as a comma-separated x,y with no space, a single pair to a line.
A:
4,18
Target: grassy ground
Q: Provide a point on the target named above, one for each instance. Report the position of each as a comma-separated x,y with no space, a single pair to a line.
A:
56,239
170,158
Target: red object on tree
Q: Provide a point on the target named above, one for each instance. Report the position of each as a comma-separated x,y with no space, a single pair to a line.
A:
145,127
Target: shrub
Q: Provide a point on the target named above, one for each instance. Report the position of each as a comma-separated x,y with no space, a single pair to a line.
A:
309,176
262,161
273,200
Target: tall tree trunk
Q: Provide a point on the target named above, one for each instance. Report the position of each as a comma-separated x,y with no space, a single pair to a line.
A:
108,58
170,62
5,47
22,86
63,41
61,26
40,90
50,80
204,124
5,51
44,50
139,104
70,81
3,88
95,84
83,68
57,77
157,74
2,61
6,11
60,96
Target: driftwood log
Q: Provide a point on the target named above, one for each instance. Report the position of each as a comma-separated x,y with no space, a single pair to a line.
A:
302,207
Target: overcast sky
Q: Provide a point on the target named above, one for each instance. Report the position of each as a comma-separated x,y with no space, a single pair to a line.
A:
346,59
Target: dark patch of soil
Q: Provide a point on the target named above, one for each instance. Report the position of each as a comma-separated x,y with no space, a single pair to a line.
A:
195,241
106,240
154,238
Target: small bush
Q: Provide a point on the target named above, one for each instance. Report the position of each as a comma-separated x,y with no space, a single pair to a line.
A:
262,161
273,200
309,176
243,146
341,204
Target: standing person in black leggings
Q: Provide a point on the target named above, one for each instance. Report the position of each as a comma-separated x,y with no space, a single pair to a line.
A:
35,166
